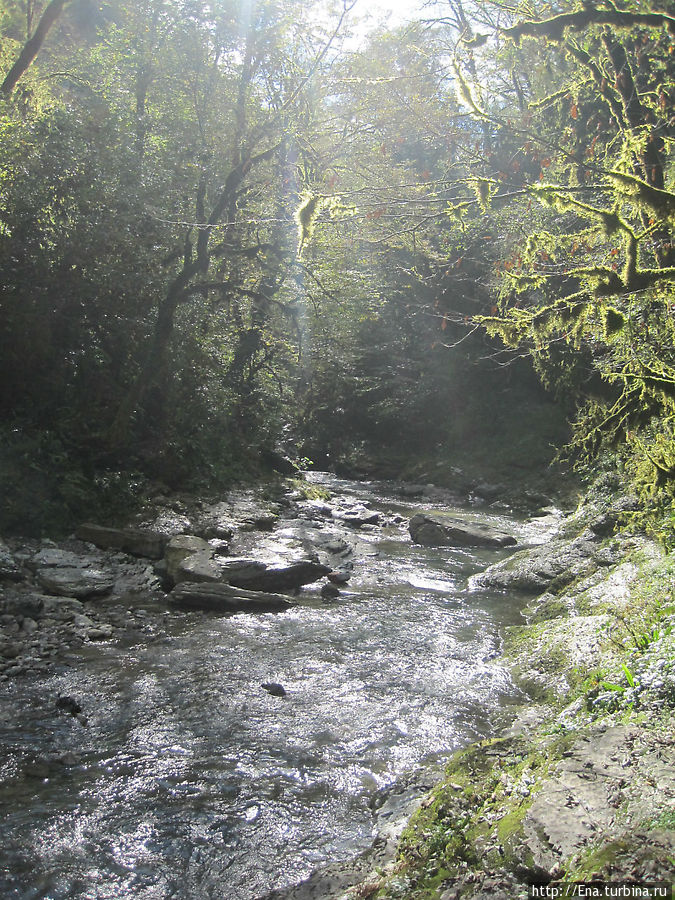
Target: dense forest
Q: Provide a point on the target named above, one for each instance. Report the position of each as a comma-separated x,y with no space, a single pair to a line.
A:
231,230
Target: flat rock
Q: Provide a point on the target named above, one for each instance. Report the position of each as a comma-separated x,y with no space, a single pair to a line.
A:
441,531
75,582
69,574
358,516
53,557
16,603
225,598
201,566
280,578
136,541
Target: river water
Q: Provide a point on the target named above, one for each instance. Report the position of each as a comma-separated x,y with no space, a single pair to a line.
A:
190,781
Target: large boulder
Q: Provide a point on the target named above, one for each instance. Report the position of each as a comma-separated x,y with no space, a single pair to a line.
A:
280,578
204,566
136,541
535,569
357,516
68,574
181,547
442,531
225,598
17,603
201,566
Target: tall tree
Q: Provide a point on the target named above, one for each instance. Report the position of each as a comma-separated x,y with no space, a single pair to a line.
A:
33,45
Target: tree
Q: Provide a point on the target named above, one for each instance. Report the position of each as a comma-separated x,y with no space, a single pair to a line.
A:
33,45
593,146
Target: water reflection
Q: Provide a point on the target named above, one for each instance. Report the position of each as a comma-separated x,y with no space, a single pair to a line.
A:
192,781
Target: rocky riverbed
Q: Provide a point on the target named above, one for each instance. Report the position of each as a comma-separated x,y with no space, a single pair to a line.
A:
581,787
103,583
152,738
571,788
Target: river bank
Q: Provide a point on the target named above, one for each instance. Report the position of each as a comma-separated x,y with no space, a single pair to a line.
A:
581,786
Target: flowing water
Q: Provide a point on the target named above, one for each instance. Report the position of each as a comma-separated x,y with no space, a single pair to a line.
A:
192,782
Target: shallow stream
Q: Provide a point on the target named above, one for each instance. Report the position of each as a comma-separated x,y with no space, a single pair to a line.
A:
190,781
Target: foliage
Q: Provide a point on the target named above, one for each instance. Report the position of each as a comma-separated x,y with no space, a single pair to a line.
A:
593,146
221,229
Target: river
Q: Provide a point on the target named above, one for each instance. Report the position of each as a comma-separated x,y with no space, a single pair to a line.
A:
191,781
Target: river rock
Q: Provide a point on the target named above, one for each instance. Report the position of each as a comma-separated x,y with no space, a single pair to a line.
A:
225,598
330,592
17,603
60,607
136,541
410,489
67,574
68,705
358,516
9,569
435,531
75,582
533,570
280,578
216,522
202,566
181,547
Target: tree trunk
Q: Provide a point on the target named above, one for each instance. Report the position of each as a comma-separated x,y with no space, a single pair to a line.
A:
32,46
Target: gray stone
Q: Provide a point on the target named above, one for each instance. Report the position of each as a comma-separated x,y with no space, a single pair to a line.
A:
179,548
280,578
100,633
330,591
68,704
64,607
200,566
410,490
19,604
53,557
234,567
137,541
225,598
535,569
11,650
75,582
442,531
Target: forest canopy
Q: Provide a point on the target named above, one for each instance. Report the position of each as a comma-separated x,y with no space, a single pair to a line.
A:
232,226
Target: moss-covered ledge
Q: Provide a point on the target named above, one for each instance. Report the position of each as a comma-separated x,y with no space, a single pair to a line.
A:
582,785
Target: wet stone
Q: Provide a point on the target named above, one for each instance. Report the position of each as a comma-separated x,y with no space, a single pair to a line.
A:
75,582
11,651
435,531
200,566
15,603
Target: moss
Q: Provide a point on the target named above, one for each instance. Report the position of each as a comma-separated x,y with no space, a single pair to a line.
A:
615,322
305,217
596,860
310,491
